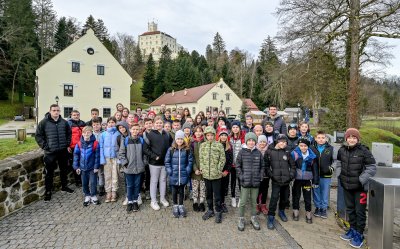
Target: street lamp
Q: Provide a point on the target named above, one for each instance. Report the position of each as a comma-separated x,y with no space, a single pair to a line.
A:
222,102
57,99
298,112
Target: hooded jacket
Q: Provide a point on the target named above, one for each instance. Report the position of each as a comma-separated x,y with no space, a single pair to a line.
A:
212,159
108,144
86,158
178,164
121,137
280,166
307,168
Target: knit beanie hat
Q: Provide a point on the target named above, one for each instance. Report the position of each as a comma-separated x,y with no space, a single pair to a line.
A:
203,122
262,138
304,140
223,130
235,122
151,112
209,129
352,132
281,137
222,118
292,126
186,125
179,134
250,135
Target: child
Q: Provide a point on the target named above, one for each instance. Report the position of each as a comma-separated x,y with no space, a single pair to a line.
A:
108,158
131,158
167,116
212,161
258,130
248,127
324,152
158,143
307,177
178,164
356,165
148,126
262,146
103,125
86,164
187,129
293,139
237,140
281,169
223,139
123,129
96,124
167,127
211,123
221,124
304,131
250,170
269,132
94,113
198,185
176,126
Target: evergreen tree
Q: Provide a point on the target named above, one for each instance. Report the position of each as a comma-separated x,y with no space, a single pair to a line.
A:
61,37
164,64
149,79
218,44
90,24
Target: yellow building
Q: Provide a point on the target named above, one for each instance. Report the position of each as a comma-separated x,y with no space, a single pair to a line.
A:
202,98
82,76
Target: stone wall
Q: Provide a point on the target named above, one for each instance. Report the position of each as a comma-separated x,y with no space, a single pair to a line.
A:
22,181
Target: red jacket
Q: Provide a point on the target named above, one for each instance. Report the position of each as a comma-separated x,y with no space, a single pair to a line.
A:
76,128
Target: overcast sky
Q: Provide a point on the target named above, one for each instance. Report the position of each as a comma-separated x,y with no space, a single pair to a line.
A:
242,24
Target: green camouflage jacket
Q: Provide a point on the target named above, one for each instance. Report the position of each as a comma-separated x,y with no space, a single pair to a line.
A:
212,160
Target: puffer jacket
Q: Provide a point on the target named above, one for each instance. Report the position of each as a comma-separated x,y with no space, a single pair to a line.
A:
279,165
324,159
76,129
86,157
292,143
356,166
306,169
212,159
130,155
279,123
108,144
157,146
250,167
178,164
53,135
195,146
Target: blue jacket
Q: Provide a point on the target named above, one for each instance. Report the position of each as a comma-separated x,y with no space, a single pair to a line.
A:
108,144
86,157
306,169
178,166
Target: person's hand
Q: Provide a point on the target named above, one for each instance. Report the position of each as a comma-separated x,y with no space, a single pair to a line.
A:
225,173
197,172
69,149
78,171
96,170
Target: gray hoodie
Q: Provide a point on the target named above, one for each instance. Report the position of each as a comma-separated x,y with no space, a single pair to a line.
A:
131,155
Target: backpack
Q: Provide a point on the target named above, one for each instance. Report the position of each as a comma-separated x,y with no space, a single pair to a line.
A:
94,147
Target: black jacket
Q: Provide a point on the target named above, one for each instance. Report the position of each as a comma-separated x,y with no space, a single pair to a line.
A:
229,159
158,144
324,160
53,135
250,167
357,165
292,143
279,124
280,165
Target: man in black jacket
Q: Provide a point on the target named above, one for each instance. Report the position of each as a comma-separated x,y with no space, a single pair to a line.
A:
276,119
53,135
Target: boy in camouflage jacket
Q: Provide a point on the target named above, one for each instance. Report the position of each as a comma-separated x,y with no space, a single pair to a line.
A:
212,161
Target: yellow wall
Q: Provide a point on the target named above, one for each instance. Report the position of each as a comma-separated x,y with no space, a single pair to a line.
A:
88,86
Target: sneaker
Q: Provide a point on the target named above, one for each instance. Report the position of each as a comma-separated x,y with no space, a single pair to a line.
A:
295,215
102,191
255,223
308,218
323,214
233,204
264,209
317,212
164,202
139,200
155,206
224,209
67,190
202,207
208,215
241,224
129,207
182,211
196,207
270,222
357,241
94,200
113,196
125,202
47,196
348,235
135,207
218,217
175,211
282,215
86,202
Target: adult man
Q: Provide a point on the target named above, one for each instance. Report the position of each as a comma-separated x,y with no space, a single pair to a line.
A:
53,135
279,123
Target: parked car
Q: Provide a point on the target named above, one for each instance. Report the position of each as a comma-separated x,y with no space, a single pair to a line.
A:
19,118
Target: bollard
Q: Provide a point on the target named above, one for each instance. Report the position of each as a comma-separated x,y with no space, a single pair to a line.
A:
21,135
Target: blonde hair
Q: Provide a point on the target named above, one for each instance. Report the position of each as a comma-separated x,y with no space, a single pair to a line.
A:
87,128
227,143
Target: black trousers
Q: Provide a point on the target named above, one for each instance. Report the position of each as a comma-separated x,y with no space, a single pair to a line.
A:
213,192
78,178
280,193
178,190
300,186
145,179
356,203
224,187
51,161
263,191
233,182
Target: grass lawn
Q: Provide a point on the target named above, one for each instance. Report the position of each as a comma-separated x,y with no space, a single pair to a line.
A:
8,110
10,147
369,135
3,121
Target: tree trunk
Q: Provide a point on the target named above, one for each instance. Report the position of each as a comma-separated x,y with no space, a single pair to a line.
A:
353,88
14,79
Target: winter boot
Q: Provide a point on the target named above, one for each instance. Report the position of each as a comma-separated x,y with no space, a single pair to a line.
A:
182,211
255,223
208,215
282,215
241,224
218,217
175,211
270,222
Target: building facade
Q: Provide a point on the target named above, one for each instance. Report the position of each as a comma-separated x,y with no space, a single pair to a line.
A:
152,42
82,76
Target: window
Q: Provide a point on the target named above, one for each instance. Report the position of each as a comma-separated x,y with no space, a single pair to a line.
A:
67,111
227,110
76,67
106,112
228,96
193,111
214,96
106,92
100,70
68,90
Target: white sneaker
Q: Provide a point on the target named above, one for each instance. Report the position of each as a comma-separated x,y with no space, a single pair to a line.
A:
87,198
125,202
165,203
139,200
233,202
155,206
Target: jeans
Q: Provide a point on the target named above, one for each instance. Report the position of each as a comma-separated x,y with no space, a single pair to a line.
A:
280,193
321,194
302,186
132,186
158,175
213,191
89,178
51,160
356,203
245,194
178,190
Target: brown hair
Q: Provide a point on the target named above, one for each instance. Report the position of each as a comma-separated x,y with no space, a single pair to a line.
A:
156,118
227,143
185,146
94,110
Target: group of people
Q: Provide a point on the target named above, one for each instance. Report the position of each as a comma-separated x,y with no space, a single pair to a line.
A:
202,157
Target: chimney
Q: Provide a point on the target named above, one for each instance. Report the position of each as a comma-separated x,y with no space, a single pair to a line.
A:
185,92
173,93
